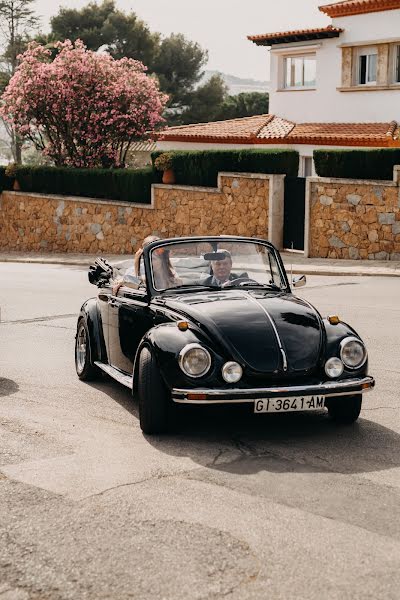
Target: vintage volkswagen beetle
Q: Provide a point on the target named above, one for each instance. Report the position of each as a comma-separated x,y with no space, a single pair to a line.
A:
213,320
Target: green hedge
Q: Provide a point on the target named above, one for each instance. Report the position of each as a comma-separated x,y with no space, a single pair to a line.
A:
5,182
129,185
202,167
357,164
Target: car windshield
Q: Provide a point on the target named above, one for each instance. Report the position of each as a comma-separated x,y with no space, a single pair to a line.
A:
214,264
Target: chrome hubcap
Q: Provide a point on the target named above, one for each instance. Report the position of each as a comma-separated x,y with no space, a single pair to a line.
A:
81,343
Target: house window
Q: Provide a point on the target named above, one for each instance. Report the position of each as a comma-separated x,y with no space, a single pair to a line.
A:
397,64
367,66
375,67
300,71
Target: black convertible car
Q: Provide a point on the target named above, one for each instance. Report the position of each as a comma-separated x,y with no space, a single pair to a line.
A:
213,320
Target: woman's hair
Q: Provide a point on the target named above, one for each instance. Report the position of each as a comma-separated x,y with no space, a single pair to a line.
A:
149,239
166,264
164,257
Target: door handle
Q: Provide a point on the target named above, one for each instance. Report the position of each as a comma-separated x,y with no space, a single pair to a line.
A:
113,302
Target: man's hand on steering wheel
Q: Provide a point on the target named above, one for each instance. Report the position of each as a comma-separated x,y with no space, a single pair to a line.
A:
238,282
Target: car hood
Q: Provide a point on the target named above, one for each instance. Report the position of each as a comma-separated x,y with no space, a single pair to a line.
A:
255,325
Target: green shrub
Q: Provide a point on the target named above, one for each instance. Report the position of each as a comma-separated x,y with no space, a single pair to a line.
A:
6,183
129,185
163,162
357,164
202,167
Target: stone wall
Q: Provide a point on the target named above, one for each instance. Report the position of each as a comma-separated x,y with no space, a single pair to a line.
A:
240,205
353,219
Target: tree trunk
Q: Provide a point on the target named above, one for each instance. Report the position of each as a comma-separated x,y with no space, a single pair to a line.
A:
18,150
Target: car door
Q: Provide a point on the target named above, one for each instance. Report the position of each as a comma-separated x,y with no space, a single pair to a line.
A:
130,317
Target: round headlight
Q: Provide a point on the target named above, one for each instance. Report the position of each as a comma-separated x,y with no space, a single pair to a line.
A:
353,353
194,360
334,367
232,372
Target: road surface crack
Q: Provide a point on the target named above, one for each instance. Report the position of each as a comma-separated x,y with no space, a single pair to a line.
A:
38,319
382,408
144,480
244,448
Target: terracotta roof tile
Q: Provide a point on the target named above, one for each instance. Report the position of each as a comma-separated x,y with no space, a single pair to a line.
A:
244,129
356,7
270,129
343,132
277,128
268,39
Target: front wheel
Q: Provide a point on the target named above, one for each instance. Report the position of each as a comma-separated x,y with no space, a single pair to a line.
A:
345,409
154,399
85,370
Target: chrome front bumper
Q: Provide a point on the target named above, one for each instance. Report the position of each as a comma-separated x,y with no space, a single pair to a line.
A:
347,387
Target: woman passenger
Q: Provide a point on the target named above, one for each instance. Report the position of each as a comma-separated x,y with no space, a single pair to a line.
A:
165,276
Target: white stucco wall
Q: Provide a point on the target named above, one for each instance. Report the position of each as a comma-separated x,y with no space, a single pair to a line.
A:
326,103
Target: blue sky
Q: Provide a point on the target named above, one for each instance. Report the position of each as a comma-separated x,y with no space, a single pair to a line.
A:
221,26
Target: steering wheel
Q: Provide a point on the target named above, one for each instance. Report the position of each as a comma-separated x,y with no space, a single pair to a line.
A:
239,282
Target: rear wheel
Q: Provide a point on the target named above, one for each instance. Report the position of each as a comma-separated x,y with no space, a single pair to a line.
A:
345,409
85,370
154,399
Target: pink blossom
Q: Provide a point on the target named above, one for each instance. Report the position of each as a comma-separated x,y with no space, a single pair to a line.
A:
83,109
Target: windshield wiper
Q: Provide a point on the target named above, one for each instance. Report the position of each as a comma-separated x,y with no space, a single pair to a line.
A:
192,286
271,286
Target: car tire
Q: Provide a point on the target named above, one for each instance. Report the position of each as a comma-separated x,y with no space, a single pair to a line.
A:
154,399
345,409
85,370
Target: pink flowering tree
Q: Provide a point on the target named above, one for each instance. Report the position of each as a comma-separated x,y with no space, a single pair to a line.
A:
82,109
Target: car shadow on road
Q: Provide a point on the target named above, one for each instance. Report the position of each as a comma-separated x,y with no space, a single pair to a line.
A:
249,443
8,387
116,392
302,442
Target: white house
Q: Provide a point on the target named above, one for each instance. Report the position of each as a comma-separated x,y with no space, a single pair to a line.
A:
347,72
337,86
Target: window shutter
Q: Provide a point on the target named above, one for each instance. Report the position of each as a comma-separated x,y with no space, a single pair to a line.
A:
383,64
347,66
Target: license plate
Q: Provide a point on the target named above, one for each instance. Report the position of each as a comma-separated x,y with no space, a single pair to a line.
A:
272,405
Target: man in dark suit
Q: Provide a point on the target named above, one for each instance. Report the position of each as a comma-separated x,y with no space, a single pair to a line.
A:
221,270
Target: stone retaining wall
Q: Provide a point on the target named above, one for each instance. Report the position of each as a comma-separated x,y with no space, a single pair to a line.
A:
344,218
353,219
240,205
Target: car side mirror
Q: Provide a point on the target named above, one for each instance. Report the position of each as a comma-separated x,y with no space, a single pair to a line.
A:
299,281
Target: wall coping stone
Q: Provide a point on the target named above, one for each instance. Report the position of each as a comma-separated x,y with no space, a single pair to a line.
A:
338,181
387,182
251,175
80,199
218,189
188,188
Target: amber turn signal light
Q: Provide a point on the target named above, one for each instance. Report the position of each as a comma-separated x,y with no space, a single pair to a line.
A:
183,325
334,320
197,396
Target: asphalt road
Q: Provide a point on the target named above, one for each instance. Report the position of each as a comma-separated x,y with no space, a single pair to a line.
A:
235,505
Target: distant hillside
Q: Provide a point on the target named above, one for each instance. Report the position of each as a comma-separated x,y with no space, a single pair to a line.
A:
236,85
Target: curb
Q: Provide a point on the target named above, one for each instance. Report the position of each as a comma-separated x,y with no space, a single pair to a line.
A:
43,261
330,273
